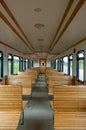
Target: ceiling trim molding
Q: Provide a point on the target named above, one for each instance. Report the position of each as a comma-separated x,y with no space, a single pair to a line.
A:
78,6
10,47
13,29
75,44
62,20
41,52
15,21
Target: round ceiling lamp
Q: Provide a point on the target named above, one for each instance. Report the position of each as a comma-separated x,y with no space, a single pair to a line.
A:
39,25
40,39
37,10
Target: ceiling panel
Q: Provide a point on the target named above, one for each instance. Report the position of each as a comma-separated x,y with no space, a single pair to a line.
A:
50,16
49,13
74,33
10,38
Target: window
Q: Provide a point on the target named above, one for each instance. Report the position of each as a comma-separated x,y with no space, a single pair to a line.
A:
15,64
61,64
56,64
70,65
42,62
20,64
65,65
26,63
30,63
80,66
1,64
10,64
52,64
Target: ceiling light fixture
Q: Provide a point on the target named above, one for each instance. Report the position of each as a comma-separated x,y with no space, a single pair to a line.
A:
40,39
40,46
37,10
39,25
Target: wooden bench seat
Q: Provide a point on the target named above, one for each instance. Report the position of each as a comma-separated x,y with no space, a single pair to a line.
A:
23,80
70,120
10,106
13,81
58,80
2,82
70,98
9,120
54,73
32,75
31,72
51,103
24,104
69,107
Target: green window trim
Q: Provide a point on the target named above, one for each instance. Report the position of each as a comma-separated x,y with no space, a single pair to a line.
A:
1,64
80,66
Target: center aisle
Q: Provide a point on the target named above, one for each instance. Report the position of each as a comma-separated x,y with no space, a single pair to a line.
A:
40,114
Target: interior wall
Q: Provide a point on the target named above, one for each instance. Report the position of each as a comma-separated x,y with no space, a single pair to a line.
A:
6,51
48,64
73,51
37,64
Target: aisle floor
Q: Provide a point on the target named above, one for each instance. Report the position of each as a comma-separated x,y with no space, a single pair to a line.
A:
38,114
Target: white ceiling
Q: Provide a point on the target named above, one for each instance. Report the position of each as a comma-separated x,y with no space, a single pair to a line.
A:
22,13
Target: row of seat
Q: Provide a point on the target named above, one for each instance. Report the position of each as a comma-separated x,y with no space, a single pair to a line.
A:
11,106
69,101
12,88
68,104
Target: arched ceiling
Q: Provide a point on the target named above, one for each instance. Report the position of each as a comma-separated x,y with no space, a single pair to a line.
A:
42,27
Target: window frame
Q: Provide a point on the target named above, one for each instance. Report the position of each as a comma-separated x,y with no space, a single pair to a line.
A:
24,63
30,63
77,68
58,68
11,62
67,65
20,64
1,59
69,60
61,64
56,64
